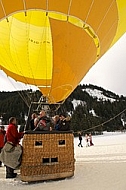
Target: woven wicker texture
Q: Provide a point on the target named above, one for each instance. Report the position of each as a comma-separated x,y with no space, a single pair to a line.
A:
47,156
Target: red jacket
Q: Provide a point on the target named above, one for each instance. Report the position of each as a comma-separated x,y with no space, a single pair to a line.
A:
2,134
12,134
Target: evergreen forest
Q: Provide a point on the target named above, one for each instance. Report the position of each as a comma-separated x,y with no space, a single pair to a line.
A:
91,114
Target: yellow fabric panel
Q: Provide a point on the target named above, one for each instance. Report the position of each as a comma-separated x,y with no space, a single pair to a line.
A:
57,16
23,79
45,90
68,70
121,5
36,18
27,47
5,55
59,93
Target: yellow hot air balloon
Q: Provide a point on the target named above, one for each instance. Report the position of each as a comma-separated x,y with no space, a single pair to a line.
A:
52,44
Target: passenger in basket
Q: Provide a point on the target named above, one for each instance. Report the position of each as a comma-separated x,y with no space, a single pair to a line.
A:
64,124
43,123
12,136
32,121
56,121
2,139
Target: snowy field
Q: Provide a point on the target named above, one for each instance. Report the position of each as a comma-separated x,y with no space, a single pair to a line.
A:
100,167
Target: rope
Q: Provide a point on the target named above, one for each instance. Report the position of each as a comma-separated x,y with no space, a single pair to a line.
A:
22,95
89,10
102,123
23,98
105,16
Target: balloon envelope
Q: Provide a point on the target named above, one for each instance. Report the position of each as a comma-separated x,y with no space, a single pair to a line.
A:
52,44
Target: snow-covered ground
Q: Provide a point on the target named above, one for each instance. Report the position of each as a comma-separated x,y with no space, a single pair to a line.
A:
100,167
99,94
109,147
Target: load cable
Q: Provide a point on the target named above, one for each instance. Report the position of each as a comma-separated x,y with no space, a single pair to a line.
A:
101,123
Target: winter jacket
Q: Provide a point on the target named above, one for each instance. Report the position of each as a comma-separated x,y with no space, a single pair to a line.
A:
57,125
64,125
32,126
44,124
12,134
80,137
2,136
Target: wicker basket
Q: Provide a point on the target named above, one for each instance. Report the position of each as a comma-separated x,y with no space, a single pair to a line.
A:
47,155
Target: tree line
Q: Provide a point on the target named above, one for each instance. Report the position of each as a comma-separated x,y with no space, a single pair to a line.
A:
85,116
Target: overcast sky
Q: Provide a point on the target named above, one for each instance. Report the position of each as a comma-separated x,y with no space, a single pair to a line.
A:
109,72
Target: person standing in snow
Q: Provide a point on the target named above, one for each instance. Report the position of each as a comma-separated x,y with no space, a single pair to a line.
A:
90,137
12,137
2,138
87,139
80,139
32,121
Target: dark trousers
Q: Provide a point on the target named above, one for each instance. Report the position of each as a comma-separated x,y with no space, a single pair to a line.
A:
9,172
80,143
